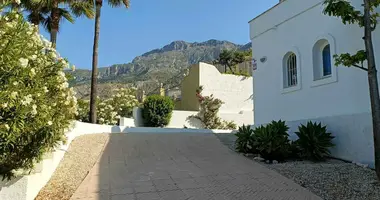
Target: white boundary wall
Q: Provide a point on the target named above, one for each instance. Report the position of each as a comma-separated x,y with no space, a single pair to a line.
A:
180,118
27,187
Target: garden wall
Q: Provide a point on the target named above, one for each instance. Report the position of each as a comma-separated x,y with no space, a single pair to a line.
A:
235,91
353,136
27,187
180,118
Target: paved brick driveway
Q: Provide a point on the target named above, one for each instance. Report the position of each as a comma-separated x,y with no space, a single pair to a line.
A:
179,167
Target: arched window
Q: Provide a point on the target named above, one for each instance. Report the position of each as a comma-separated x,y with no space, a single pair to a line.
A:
326,56
324,70
322,66
291,70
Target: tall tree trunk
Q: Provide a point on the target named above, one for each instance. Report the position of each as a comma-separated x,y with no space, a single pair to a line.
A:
95,63
373,84
54,23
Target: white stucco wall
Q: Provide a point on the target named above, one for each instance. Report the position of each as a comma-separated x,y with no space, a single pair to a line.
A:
234,91
180,118
127,122
340,102
27,187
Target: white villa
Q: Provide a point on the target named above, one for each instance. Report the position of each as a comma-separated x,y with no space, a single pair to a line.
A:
296,80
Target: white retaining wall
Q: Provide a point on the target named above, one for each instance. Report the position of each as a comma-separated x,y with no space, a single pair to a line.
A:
27,187
353,136
181,118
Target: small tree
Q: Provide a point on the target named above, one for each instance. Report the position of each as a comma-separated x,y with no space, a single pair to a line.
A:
367,19
208,112
230,58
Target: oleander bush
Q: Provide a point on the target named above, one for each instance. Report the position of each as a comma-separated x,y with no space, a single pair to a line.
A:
208,112
157,111
110,110
83,110
36,105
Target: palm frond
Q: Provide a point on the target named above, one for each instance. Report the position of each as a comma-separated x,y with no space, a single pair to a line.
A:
79,8
63,13
47,24
118,3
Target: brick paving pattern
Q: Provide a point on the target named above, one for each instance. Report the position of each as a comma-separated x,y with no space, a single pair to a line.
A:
181,167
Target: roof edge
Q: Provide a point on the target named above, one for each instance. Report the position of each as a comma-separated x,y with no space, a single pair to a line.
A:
266,11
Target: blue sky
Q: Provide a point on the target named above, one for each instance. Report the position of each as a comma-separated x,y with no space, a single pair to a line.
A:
151,24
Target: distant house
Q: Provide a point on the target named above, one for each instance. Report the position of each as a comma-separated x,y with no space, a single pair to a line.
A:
234,91
293,44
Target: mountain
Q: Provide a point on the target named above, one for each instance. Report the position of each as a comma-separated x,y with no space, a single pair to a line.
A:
159,65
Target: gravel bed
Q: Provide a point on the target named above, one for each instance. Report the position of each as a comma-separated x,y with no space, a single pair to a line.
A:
331,180
81,156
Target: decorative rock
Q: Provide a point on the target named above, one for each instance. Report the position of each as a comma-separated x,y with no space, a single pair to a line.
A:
275,162
362,165
249,155
258,158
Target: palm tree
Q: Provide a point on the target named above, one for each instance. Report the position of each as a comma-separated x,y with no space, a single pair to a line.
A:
63,9
49,13
98,6
37,12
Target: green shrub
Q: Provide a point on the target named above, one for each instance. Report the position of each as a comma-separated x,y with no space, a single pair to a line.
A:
271,141
36,105
313,141
294,151
157,111
244,141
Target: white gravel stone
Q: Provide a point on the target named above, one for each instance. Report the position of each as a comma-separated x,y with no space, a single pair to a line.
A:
333,179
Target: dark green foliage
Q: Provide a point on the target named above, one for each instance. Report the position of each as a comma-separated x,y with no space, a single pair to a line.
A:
230,58
245,74
271,141
157,111
314,141
294,151
244,142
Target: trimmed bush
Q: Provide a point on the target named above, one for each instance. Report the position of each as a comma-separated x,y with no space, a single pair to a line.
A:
36,105
313,141
271,141
157,111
